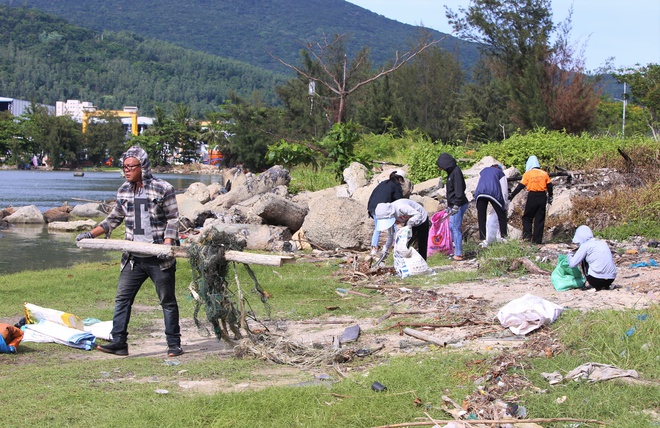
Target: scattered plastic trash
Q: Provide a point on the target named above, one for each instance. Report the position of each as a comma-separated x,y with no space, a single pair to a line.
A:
631,331
595,372
162,391
561,399
553,378
642,317
171,362
650,263
378,387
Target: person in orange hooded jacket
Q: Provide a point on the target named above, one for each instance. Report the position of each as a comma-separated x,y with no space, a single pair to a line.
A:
11,337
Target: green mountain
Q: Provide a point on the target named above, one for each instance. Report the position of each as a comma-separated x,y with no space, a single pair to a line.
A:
248,30
46,59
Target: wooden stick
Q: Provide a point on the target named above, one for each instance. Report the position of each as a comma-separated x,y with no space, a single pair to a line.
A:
384,317
160,250
492,422
529,265
422,336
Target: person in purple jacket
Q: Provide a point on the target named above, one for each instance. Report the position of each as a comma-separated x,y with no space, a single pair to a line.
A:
492,189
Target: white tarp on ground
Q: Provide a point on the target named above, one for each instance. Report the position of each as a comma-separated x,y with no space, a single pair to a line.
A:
48,331
51,325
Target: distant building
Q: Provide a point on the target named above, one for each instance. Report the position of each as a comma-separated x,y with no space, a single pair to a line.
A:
73,108
19,107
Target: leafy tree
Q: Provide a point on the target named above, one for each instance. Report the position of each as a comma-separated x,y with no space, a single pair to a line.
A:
609,119
343,77
484,99
253,128
14,147
214,132
645,89
515,35
426,90
105,137
58,136
569,94
308,107
545,84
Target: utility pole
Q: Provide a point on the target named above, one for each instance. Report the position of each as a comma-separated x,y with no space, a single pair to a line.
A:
625,101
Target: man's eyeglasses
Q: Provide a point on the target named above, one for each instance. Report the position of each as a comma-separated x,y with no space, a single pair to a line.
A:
131,167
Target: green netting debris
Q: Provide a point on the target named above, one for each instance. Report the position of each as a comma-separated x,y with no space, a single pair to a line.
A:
225,305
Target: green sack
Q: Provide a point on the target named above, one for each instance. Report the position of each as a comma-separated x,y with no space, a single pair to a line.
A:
565,277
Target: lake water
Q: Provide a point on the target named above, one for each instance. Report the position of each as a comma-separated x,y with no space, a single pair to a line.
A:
32,247
49,189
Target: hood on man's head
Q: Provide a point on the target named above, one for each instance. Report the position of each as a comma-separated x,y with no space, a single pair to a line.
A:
138,153
446,161
532,162
582,235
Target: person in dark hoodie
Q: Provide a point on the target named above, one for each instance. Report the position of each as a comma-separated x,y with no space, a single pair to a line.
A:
539,193
492,188
385,192
457,202
149,209
595,259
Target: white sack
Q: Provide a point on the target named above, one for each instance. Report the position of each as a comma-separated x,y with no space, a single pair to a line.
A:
528,313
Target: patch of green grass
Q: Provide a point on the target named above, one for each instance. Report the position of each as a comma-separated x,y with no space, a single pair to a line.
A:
497,258
55,386
305,177
648,228
600,336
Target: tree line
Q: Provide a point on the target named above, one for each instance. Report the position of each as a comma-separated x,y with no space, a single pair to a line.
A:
522,83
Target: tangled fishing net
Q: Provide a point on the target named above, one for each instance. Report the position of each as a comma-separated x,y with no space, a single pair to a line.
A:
225,305
228,311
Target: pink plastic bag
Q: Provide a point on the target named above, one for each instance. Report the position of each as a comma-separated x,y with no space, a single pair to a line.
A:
439,234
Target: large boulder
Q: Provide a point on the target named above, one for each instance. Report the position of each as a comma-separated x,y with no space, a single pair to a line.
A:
199,191
431,205
58,214
233,177
278,210
26,215
337,223
256,236
71,226
91,209
355,176
265,182
190,207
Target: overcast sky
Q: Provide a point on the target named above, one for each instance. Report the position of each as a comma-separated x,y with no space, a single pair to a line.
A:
627,30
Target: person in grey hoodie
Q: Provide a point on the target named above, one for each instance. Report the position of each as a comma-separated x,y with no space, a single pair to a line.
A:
406,213
595,259
457,202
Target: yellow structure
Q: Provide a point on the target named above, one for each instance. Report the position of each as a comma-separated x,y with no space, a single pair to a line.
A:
127,112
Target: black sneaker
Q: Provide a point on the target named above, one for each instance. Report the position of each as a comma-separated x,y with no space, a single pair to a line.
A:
174,351
114,348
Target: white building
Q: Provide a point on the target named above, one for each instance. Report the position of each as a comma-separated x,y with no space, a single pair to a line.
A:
73,108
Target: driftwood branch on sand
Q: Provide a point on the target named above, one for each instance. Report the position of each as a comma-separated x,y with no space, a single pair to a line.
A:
160,250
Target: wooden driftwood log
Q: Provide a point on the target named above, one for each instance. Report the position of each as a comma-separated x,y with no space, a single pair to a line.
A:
423,336
280,211
160,250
